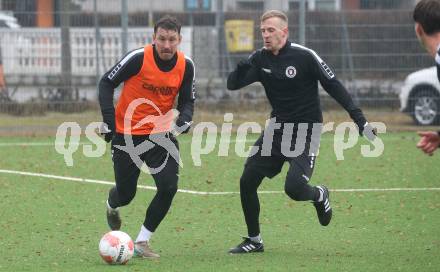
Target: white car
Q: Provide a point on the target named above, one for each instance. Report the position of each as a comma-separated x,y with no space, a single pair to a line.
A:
420,96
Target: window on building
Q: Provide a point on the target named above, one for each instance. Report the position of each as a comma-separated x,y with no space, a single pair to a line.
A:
294,5
250,5
385,4
199,5
325,5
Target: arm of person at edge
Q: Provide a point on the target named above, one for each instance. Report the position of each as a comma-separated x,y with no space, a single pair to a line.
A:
127,67
336,90
185,102
245,73
429,141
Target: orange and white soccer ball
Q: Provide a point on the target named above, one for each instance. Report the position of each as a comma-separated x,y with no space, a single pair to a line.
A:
116,247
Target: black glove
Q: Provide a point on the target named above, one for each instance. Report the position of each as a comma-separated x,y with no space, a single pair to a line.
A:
182,127
367,130
108,137
244,64
107,129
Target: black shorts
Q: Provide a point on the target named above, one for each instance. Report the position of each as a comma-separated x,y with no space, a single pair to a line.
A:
155,158
270,162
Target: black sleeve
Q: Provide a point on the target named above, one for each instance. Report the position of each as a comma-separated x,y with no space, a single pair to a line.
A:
245,73
127,67
336,90
438,71
187,94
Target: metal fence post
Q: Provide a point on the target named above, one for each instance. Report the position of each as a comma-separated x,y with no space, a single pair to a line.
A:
302,23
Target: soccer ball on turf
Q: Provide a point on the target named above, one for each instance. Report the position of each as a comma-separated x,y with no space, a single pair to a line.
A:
116,247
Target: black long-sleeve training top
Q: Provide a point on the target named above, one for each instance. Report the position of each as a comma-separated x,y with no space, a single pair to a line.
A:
290,80
129,66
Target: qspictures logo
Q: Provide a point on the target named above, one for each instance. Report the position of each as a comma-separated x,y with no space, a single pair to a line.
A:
208,137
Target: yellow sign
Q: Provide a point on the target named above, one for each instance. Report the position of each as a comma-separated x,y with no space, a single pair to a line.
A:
239,35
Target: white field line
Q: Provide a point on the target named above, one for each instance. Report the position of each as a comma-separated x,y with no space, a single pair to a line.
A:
9,144
103,182
32,144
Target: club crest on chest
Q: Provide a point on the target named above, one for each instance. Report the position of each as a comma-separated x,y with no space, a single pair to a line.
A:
290,72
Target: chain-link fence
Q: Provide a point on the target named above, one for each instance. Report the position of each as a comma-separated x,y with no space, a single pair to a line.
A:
54,60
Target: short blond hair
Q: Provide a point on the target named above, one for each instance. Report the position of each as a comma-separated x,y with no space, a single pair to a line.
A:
274,13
